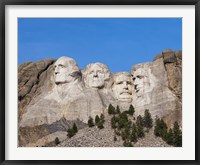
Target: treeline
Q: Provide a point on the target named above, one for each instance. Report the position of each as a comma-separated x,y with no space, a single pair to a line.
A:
172,136
126,127
130,128
70,133
99,121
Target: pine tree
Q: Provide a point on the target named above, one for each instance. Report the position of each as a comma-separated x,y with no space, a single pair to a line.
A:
163,129
157,127
113,122
102,118
147,120
128,124
140,131
169,138
124,116
139,125
127,132
123,119
111,109
139,121
133,136
75,129
177,141
90,122
100,125
97,119
123,135
127,144
70,132
99,122
117,110
57,141
160,128
131,110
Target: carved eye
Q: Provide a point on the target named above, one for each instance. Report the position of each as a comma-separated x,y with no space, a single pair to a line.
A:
129,83
100,71
119,83
139,76
61,66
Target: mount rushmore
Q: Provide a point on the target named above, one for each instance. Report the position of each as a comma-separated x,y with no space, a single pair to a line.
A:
54,93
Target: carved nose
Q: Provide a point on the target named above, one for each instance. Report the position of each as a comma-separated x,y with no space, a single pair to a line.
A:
136,80
125,86
56,70
135,86
95,74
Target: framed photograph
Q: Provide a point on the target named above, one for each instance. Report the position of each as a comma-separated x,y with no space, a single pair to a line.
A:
99,81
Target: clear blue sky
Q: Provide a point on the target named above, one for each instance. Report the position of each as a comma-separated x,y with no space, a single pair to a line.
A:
118,43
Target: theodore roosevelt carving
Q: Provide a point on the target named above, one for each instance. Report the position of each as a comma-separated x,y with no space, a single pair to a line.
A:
122,87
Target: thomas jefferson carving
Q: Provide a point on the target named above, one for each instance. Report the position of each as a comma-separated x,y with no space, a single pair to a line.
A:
95,75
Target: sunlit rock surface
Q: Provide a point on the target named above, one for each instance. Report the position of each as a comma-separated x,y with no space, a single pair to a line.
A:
54,94
158,87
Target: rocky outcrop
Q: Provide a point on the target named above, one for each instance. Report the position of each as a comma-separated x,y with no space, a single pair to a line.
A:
52,95
173,64
161,82
33,79
43,134
42,102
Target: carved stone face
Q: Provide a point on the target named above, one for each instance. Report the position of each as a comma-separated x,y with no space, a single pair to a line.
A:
96,75
141,81
64,67
123,87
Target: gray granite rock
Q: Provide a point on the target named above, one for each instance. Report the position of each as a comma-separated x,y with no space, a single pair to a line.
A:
52,95
158,87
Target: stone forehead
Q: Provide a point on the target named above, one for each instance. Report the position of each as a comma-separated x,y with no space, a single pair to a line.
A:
141,68
66,59
101,65
70,62
118,74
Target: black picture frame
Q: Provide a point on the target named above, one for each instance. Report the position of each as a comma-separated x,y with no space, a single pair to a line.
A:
4,3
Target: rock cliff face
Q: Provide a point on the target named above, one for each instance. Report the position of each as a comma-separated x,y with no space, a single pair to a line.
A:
159,87
33,79
52,95
173,65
